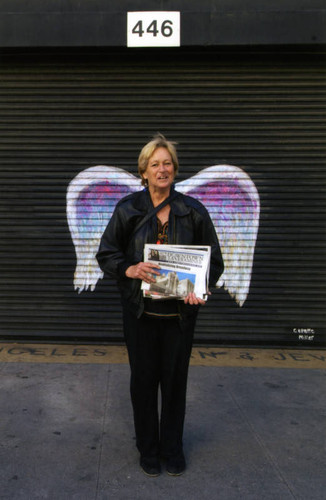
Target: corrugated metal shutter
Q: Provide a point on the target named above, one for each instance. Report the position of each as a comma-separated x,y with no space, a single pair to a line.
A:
263,111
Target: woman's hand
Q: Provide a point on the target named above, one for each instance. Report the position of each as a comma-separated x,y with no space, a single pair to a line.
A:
193,300
143,271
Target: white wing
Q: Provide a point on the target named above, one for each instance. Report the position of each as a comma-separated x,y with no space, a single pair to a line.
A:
232,201
91,199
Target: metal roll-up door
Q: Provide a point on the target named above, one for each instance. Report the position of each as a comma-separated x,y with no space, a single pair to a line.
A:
65,111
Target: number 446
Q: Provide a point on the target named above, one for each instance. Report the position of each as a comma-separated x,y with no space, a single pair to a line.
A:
165,28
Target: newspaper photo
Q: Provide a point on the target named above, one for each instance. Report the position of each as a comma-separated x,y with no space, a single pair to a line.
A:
183,269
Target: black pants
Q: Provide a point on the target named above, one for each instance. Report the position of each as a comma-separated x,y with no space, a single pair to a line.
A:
159,352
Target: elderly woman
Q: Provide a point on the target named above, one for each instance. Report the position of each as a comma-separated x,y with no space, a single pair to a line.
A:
158,333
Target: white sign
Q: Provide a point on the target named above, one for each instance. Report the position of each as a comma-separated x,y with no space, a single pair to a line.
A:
153,29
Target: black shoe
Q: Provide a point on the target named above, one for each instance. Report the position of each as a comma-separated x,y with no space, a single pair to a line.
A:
151,466
175,466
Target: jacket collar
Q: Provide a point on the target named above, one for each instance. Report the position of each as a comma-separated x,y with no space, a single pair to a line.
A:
178,206
143,202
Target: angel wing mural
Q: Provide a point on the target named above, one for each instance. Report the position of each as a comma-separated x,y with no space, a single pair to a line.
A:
91,198
227,192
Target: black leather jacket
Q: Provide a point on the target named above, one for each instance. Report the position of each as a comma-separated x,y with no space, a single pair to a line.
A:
189,224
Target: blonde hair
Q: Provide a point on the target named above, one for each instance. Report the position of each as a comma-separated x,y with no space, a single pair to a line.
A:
158,141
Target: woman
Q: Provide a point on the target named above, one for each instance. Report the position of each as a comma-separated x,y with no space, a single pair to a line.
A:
158,334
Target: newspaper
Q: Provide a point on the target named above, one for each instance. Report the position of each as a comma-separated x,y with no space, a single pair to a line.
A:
183,269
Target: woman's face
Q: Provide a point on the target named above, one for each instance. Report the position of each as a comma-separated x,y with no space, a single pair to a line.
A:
160,170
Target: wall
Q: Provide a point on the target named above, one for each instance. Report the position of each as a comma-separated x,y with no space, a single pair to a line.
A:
64,111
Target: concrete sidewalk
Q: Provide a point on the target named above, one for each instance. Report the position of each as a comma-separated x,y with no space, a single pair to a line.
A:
250,433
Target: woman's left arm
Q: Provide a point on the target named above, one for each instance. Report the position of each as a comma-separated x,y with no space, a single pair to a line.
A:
206,235
209,237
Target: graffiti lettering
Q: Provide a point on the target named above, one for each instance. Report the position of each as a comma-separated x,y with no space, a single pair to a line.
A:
56,353
18,351
319,357
246,355
298,357
304,330
33,351
98,352
210,354
200,355
37,352
281,357
80,352
306,337
305,333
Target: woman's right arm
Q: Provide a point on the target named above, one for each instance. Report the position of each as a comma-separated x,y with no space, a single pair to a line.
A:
111,253
143,271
